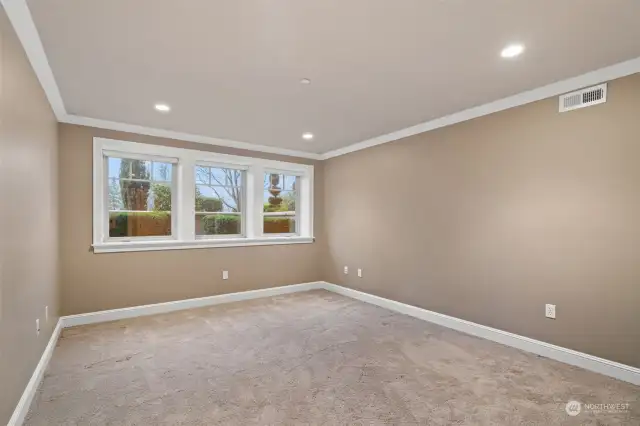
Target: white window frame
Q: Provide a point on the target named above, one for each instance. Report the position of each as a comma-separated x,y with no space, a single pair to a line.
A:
297,216
183,198
132,156
243,212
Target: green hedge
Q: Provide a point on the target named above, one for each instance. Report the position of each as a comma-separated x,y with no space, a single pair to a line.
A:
210,204
121,220
223,224
277,219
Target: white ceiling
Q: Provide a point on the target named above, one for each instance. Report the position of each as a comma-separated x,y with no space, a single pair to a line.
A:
231,69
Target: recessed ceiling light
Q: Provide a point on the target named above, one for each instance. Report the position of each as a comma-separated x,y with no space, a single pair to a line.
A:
305,81
307,136
163,107
512,50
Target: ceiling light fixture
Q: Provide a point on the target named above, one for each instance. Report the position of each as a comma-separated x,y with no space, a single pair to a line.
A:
307,136
305,81
512,51
163,107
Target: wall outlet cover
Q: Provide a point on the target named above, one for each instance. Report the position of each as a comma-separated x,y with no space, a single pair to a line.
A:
346,270
360,273
550,311
225,275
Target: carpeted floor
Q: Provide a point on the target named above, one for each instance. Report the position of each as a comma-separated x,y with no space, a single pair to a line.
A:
312,358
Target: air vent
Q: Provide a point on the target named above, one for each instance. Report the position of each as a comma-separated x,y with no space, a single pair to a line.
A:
584,98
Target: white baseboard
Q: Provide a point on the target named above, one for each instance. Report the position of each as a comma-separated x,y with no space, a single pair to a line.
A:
178,305
137,311
613,369
579,359
30,391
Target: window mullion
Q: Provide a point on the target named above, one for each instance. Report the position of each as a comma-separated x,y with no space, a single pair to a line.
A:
305,212
185,190
255,179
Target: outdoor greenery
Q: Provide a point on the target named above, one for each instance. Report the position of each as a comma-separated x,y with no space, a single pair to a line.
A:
221,224
208,204
134,194
120,221
161,197
288,204
230,224
141,193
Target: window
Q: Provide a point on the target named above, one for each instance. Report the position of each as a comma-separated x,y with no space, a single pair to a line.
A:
150,197
139,197
219,199
280,199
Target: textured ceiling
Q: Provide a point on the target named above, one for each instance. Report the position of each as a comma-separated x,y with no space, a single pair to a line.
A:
231,69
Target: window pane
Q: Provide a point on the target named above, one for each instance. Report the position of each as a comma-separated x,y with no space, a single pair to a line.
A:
219,195
280,198
139,199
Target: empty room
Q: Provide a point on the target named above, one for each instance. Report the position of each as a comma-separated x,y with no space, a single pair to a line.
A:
319,212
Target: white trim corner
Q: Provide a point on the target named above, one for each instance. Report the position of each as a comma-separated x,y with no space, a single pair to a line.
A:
20,16
22,408
568,356
601,75
24,403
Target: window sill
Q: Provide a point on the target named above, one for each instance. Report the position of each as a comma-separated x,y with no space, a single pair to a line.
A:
117,247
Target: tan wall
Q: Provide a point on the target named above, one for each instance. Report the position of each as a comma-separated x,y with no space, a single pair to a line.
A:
94,282
28,242
490,219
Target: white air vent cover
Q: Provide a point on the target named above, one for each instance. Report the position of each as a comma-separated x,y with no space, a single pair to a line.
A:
584,98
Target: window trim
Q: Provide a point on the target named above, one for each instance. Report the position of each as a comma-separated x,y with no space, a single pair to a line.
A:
297,215
183,198
105,187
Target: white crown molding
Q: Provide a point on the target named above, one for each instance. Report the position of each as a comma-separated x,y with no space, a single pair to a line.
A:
20,17
22,21
170,134
612,72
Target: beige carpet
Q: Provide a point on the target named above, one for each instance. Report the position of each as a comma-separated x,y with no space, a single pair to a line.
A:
313,358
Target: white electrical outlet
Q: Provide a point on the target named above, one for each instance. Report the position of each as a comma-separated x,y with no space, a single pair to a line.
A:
550,311
225,275
346,270
46,314
37,326
360,272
